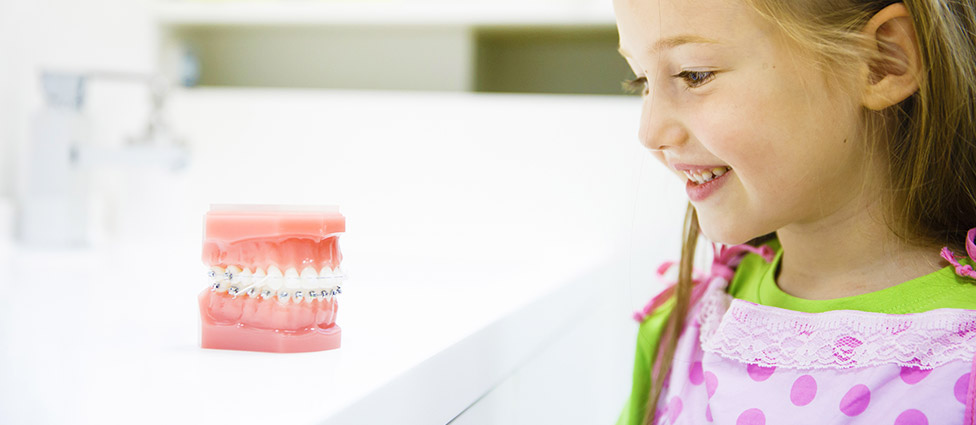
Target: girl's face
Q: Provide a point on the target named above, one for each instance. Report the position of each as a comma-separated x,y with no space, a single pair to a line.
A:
724,90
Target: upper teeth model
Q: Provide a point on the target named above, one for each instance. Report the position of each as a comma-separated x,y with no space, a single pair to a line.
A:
705,175
274,278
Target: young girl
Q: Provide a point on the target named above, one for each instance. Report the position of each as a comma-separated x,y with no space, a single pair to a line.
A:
830,145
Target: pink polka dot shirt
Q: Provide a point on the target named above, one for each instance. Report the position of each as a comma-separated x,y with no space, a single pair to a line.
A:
744,359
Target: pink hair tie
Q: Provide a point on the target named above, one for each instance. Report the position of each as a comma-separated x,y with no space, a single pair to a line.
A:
963,269
971,243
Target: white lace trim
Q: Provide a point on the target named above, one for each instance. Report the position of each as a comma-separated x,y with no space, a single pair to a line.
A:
713,304
773,337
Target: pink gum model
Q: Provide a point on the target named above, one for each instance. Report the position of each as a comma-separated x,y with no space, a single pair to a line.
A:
276,278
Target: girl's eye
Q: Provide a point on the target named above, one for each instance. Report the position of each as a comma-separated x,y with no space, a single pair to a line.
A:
695,78
637,85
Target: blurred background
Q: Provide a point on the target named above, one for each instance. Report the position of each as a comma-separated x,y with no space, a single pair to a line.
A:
473,140
128,52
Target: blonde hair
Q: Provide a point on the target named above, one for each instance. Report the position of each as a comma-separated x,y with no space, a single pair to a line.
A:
927,140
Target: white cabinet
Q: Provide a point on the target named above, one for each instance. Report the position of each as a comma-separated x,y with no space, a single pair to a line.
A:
581,376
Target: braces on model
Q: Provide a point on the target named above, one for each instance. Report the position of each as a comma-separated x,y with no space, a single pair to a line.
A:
233,279
274,278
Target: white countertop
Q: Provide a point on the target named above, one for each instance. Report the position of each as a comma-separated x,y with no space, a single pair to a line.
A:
418,347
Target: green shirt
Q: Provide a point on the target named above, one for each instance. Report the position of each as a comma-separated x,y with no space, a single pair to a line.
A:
754,281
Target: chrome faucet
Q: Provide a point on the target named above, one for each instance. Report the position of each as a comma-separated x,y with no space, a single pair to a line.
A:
54,199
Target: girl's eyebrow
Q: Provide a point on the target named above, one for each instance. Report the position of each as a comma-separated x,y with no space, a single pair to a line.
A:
672,42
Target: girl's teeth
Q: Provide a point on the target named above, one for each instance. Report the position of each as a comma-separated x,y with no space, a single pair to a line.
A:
705,176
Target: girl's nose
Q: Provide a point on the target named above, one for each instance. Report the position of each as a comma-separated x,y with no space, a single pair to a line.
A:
660,128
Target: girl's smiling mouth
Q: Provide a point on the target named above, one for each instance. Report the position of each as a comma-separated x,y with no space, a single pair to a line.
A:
703,180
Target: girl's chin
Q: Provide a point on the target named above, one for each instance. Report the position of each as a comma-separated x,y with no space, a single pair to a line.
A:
726,232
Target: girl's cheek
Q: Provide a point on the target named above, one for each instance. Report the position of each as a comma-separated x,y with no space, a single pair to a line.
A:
721,137
733,129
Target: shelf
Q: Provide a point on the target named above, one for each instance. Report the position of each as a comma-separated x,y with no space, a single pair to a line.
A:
541,46
182,13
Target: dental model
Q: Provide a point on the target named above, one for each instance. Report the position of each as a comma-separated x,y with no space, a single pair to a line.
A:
275,278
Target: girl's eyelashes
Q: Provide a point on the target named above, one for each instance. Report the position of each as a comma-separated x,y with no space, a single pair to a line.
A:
692,79
695,78
637,85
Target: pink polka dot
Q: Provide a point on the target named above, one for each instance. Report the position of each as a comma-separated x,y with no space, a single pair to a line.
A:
911,375
856,400
911,417
674,408
803,391
708,413
961,388
759,373
711,383
695,373
751,417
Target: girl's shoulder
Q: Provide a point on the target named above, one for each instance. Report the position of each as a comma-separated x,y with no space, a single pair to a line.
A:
944,288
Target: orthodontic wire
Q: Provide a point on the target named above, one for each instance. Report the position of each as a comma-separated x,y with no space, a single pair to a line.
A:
228,276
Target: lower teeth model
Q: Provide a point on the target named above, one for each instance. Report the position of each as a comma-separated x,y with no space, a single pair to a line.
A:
274,278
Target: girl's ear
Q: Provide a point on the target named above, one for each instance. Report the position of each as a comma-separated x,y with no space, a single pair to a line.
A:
893,74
